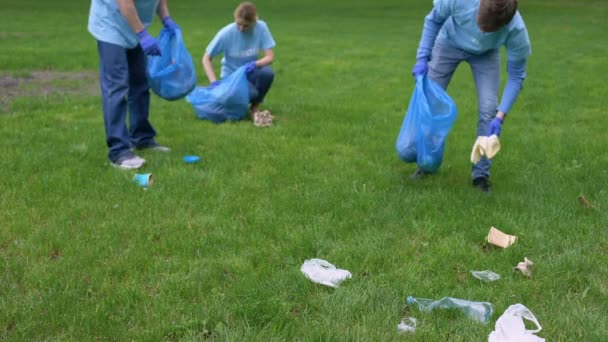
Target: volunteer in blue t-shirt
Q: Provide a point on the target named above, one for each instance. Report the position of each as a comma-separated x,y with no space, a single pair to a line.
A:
241,43
473,31
119,26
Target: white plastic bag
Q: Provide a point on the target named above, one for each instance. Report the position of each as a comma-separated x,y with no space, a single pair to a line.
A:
324,273
510,326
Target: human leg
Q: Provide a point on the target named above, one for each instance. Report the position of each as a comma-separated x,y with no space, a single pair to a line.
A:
486,73
140,129
260,81
114,85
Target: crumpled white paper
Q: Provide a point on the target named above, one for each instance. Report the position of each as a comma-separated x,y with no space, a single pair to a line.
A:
324,273
485,146
510,326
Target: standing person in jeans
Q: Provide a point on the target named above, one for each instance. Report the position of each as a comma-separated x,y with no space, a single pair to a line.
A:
241,43
119,26
474,31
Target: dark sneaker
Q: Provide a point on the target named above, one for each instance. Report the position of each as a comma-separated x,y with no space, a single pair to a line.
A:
418,174
482,183
154,147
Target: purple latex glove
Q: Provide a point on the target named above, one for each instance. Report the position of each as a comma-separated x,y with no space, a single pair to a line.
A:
148,43
213,84
170,24
250,67
495,127
421,67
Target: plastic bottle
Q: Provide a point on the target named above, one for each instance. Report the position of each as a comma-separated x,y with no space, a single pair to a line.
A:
479,311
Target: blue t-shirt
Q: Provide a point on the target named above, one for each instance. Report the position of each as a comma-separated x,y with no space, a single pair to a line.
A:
459,28
238,47
107,24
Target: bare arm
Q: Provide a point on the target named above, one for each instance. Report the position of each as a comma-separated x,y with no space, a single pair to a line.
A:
266,60
208,68
128,10
163,10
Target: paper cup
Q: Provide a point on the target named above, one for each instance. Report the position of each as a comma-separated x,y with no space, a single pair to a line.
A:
143,179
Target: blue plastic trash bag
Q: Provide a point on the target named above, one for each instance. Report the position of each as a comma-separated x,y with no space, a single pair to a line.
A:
428,120
228,100
171,75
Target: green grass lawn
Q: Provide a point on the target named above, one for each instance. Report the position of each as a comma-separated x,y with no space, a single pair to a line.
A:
213,250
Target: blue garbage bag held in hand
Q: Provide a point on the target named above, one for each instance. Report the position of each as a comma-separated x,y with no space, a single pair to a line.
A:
171,75
228,99
428,120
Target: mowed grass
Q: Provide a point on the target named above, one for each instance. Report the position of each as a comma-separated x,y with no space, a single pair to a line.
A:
213,250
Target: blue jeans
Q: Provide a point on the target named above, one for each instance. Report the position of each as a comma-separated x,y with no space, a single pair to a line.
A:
260,81
486,73
124,84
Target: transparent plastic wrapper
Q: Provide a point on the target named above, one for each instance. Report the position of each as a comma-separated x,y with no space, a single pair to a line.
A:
479,311
171,75
486,275
229,100
324,273
510,326
429,118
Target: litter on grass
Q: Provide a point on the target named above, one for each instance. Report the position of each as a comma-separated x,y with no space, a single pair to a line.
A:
525,267
324,273
262,119
500,239
486,275
584,201
510,326
479,311
407,325
143,179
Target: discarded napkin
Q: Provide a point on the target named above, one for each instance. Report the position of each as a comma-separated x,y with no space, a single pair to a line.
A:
324,273
485,146
525,267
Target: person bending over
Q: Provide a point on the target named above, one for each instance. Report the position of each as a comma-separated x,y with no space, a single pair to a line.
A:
241,43
473,31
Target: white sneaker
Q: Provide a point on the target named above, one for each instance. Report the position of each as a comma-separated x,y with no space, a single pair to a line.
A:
130,163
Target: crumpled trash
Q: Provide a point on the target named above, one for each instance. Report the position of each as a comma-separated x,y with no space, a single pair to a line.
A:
510,326
407,325
485,146
500,239
324,273
262,119
486,275
525,267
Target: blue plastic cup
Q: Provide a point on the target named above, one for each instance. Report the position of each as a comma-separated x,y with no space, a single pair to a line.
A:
143,179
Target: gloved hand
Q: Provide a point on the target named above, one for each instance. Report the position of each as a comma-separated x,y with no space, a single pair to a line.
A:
250,67
495,126
170,24
421,67
148,43
214,84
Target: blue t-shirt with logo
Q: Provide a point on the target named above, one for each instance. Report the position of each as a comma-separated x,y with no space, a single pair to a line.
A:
108,25
238,47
